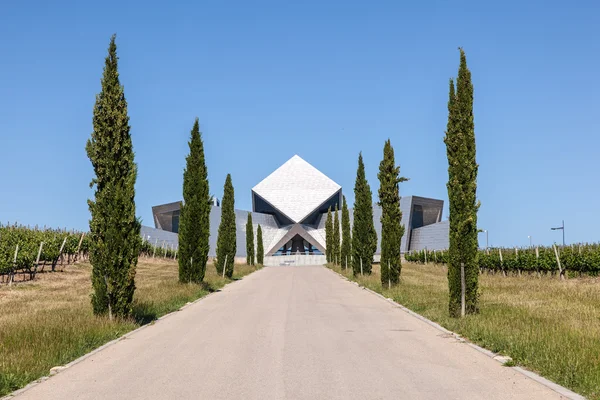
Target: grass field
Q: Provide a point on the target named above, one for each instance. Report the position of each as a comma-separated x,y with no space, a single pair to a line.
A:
549,326
49,321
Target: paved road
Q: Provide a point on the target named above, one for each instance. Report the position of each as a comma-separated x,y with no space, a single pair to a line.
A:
289,333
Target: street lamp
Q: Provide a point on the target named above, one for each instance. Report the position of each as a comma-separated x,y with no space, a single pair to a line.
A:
529,236
561,228
486,239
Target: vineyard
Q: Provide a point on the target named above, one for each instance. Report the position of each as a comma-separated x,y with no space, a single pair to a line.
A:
24,252
562,260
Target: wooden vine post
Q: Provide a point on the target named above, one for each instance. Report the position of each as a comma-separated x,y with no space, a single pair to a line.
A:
537,261
501,262
560,271
79,246
37,261
463,290
14,266
60,252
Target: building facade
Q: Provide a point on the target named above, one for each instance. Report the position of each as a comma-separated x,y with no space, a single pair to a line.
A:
291,207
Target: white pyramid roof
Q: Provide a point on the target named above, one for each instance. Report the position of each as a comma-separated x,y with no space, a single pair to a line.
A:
296,189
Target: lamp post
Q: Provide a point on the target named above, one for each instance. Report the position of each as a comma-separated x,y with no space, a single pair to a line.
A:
530,245
561,228
486,239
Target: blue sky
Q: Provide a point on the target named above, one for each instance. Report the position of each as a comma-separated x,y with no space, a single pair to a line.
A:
322,79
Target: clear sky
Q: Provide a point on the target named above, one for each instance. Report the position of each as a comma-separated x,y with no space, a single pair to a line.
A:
321,79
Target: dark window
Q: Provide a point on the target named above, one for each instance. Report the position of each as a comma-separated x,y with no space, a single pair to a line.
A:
175,221
417,216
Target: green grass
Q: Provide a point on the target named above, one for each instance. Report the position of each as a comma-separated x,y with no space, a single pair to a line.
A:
546,325
49,322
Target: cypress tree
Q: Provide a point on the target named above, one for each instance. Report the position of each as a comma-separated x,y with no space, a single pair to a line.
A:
391,227
226,241
260,252
114,229
328,236
249,241
462,187
364,237
346,250
336,237
194,218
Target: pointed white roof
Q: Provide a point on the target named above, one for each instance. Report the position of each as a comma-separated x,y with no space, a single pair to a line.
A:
296,188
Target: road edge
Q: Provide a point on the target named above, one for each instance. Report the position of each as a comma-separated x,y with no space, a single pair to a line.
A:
563,391
32,384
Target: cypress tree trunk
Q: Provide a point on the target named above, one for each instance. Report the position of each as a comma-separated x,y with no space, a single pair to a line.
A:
364,237
194,218
462,187
226,241
260,252
328,236
346,251
249,241
114,240
391,216
336,237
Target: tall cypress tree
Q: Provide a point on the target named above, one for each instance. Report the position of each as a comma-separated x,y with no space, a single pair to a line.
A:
249,241
391,227
462,188
194,218
328,236
336,237
260,252
226,241
364,237
346,250
114,229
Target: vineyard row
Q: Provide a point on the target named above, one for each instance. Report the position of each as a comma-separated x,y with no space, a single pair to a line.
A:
28,251
575,259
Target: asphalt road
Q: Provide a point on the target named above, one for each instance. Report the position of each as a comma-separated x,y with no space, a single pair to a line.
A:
289,333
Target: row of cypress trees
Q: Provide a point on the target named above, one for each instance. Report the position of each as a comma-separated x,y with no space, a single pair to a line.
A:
462,194
250,254
358,248
114,228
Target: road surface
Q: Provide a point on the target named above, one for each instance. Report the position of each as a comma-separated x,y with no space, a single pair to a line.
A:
289,333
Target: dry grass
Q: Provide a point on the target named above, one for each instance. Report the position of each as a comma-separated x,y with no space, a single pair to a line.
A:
546,325
49,321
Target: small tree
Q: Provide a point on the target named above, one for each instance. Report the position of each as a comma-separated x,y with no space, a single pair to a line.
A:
336,237
328,236
346,250
226,241
260,252
115,240
391,216
364,237
194,218
249,241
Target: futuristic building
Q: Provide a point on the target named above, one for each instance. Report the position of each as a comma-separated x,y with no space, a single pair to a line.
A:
291,207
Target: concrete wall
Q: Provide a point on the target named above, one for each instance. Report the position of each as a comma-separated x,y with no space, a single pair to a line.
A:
294,260
267,222
432,237
158,236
